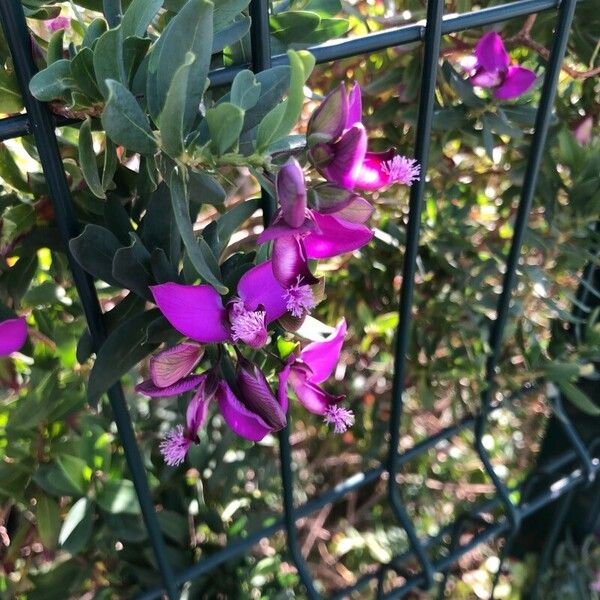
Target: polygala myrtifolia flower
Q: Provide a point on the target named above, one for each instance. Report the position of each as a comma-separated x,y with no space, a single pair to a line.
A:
304,372
13,333
197,311
299,233
337,141
490,67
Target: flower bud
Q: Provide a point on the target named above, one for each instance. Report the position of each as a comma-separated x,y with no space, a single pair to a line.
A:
329,119
291,193
256,394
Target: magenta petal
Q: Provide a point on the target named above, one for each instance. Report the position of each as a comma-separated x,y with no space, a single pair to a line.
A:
322,357
349,154
173,364
148,388
196,411
490,52
354,106
241,420
373,175
194,310
315,399
290,262
258,287
517,81
337,237
291,193
13,333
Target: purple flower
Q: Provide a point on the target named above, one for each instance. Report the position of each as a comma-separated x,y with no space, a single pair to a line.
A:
179,440
338,146
490,67
197,311
313,366
255,411
583,130
13,333
296,230
57,23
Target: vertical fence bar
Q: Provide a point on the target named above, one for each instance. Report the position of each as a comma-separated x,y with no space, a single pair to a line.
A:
261,59
42,125
432,41
542,121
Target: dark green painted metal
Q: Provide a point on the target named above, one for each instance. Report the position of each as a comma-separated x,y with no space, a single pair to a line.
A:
432,42
579,459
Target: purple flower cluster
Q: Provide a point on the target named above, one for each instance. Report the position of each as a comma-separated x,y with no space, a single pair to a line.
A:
282,289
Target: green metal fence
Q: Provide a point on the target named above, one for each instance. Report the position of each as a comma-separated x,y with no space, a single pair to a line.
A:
557,478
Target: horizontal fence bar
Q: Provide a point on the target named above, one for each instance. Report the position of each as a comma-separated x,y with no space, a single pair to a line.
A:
353,483
18,125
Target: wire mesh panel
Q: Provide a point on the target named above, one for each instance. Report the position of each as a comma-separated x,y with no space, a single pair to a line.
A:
560,476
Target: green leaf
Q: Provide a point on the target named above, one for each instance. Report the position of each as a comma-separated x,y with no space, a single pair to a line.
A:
245,90
291,25
225,123
463,88
94,250
189,31
77,527
225,11
159,229
66,476
487,137
94,30
138,17
53,82
47,515
579,398
87,159
131,267
233,219
55,46
172,132
111,160
204,189
230,34
10,172
125,122
197,249
108,59
135,51
10,93
278,122
82,71
117,497
123,349
327,29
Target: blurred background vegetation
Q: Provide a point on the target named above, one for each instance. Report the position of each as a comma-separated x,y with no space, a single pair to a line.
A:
69,521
